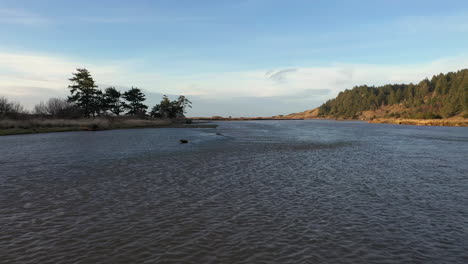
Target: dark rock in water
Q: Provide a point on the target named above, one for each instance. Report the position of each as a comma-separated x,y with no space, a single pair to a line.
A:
183,141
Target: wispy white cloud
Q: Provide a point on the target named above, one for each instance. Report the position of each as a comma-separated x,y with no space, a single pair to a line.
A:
34,76
281,75
30,78
44,70
21,17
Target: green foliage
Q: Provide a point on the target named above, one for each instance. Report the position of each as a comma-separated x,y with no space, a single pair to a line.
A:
90,101
84,92
112,101
171,109
442,96
135,98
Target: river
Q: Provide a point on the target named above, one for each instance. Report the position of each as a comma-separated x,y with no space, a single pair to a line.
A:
309,191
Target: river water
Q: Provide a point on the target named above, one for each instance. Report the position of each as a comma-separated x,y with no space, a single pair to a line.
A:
246,192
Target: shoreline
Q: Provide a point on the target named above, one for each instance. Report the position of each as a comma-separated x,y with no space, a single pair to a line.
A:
42,130
96,124
452,122
422,122
24,127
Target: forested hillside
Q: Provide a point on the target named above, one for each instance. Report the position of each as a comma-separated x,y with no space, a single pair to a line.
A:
444,96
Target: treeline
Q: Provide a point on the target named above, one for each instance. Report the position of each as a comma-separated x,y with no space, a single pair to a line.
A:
10,109
87,100
444,96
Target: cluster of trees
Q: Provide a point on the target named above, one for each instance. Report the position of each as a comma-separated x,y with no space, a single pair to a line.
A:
86,100
171,109
445,95
9,108
94,102
58,108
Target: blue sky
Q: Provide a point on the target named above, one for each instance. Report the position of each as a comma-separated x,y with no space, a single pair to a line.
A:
271,57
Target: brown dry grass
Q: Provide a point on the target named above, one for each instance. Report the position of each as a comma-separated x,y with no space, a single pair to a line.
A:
38,125
423,122
308,114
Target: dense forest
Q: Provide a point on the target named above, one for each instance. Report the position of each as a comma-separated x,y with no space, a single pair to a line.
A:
444,96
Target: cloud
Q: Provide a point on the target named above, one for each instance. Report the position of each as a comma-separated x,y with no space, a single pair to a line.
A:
280,76
49,71
21,17
30,78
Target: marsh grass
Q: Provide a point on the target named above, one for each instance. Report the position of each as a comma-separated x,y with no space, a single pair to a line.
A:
39,125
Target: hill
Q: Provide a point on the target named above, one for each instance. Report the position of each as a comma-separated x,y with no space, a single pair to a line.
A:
308,114
444,96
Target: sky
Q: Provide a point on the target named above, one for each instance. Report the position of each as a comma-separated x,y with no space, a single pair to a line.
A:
231,58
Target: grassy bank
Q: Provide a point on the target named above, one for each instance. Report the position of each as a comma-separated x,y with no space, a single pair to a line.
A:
459,122
36,125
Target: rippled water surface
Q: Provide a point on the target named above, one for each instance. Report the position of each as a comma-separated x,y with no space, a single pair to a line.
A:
256,192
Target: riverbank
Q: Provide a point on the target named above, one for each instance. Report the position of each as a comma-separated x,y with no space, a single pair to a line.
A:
453,122
32,126
240,118
462,122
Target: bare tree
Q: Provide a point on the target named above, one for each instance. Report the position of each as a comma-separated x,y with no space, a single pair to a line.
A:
55,107
9,109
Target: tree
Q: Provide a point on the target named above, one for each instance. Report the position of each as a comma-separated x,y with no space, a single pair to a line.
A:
135,98
441,86
57,107
98,104
181,104
83,92
168,109
444,95
113,102
163,109
10,109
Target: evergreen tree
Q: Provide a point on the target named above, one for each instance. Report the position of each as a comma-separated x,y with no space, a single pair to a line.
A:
444,95
135,98
83,92
99,105
171,109
112,101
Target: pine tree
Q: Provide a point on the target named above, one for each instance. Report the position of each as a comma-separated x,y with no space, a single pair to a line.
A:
83,91
113,102
135,98
444,95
